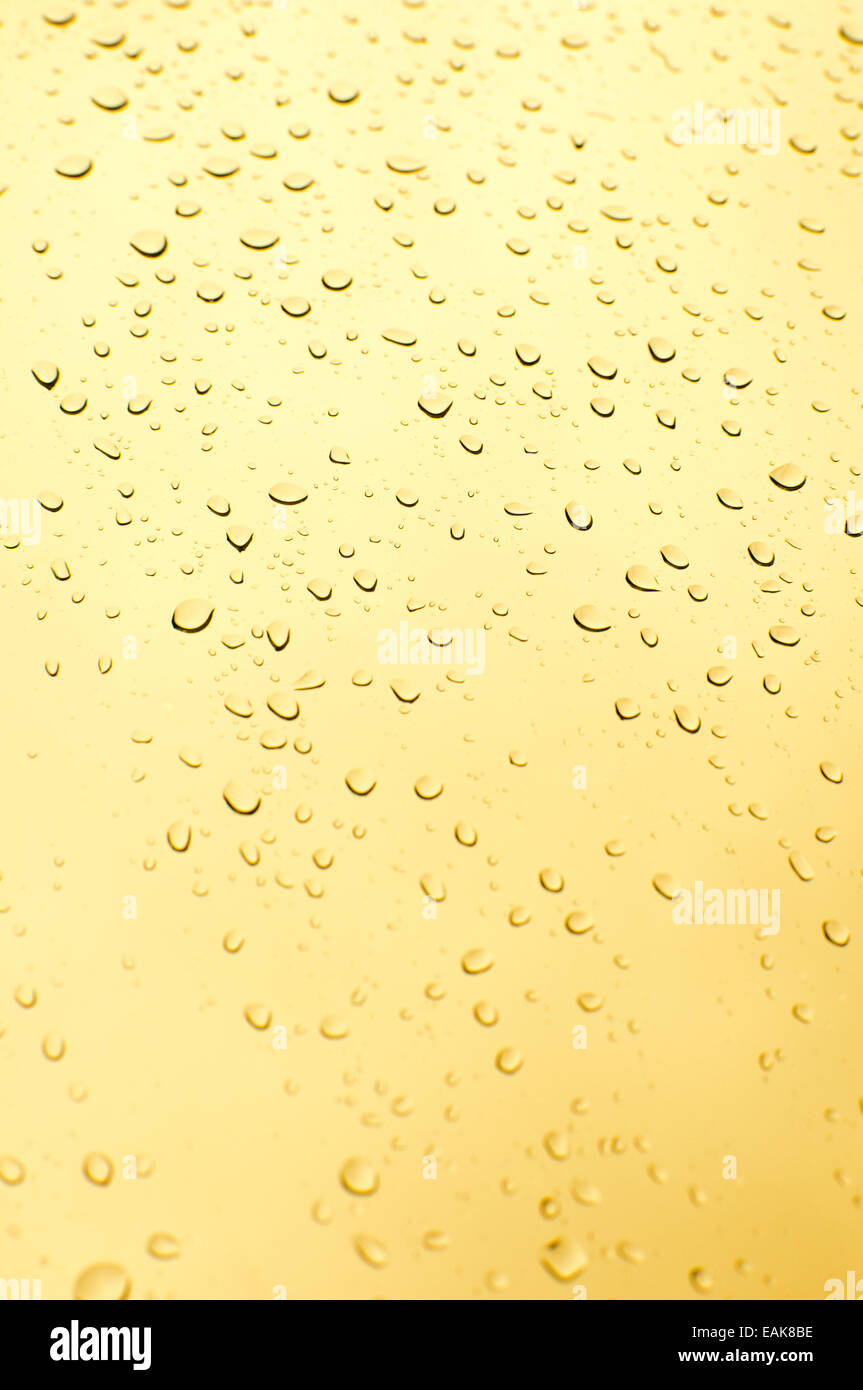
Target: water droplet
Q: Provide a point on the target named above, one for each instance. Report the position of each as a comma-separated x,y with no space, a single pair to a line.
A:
46,373
837,933
626,708
359,1177
435,404
831,771
465,834
163,1246
687,718
343,93
801,866
564,1258
661,350
579,922
373,1251
98,1169
334,1027
402,337
11,1171
258,1015
241,797
240,537
509,1060
729,498
405,691
640,577
110,99
428,787
278,635
192,615
527,354
210,292
336,279
556,1145
784,636
103,1283
591,618
149,243
587,1194
180,836
361,781
590,1002
476,961
53,1047
760,552
287,494
259,238
433,887
578,516
674,556
74,166
789,476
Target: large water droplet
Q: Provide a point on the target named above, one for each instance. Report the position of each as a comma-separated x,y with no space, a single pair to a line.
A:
103,1283
192,615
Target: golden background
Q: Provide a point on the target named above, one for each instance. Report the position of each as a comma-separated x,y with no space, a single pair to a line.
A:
333,990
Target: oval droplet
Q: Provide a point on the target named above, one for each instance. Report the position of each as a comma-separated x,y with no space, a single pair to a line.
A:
192,615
